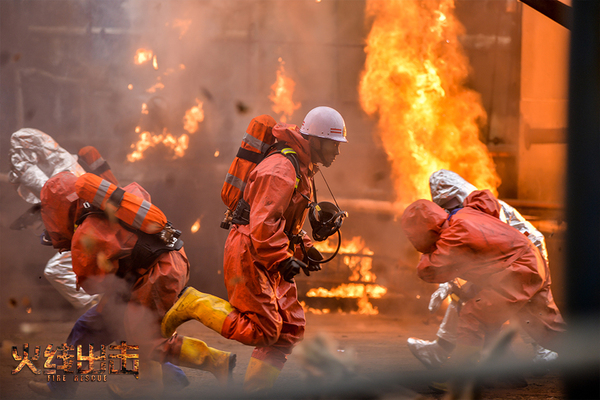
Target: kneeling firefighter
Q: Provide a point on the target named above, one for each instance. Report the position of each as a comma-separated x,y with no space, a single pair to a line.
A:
140,270
266,246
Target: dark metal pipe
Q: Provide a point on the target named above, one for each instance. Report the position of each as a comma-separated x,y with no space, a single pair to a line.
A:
553,9
583,185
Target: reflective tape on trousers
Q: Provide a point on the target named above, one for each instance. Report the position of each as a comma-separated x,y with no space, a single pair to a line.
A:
235,181
101,193
254,142
141,214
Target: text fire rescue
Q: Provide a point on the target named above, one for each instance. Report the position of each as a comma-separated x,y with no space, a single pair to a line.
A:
69,353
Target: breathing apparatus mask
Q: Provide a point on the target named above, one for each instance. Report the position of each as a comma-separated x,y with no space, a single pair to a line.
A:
325,220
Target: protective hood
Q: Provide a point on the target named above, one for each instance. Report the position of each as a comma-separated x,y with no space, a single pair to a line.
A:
59,207
422,223
35,157
484,201
291,135
447,185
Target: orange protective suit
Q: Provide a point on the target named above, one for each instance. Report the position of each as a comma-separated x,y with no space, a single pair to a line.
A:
135,299
509,276
267,313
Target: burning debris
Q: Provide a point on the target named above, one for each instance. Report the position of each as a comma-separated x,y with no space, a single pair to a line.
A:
356,266
414,80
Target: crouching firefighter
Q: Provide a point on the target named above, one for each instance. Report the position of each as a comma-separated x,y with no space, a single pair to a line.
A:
123,247
266,247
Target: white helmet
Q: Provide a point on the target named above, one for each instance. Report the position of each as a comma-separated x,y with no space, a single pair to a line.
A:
325,123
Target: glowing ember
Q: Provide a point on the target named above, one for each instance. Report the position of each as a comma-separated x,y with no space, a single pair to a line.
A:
28,310
156,87
414,80
193,117
281,94
142,56
196,226
154,62
144,108
217,153
183,25
130,86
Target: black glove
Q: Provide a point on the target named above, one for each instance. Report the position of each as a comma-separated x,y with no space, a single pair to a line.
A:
290,268
313,254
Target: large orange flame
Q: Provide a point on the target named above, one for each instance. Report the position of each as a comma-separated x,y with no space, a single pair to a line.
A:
281,94
414,80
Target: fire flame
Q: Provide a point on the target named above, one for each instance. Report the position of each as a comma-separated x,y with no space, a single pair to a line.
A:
148,140
359,260
352,290
179,145
193,117
354,246
281,94
314,310
142,56
414,80
154,62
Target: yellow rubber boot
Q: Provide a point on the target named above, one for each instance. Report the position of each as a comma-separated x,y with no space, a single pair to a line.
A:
192,304
196,354
260,376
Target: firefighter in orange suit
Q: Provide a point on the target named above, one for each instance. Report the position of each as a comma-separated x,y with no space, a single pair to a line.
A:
507,275
138,288
259,262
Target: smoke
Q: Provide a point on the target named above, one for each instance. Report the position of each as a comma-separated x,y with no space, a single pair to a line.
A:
77,80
